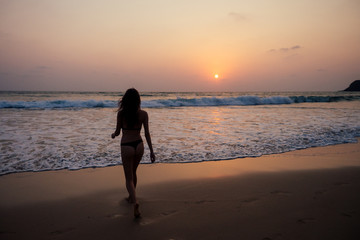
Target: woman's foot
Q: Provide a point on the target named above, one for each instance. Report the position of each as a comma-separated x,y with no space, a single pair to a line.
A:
137,213
128,199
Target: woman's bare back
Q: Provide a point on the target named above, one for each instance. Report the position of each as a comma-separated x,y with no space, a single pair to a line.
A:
131,134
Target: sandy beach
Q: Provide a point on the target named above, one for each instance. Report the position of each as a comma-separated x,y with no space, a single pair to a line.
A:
304,194
250,108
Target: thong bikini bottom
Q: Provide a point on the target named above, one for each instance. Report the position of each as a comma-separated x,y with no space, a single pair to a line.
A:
133,144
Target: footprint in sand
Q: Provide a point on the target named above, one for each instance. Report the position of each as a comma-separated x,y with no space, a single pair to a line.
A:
61,231
340,183
168,213
279,192
305,220
113,216
248,201
319,193
199,202
146,221
204,201
349,214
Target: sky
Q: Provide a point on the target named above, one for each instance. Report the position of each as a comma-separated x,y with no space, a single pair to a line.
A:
169,45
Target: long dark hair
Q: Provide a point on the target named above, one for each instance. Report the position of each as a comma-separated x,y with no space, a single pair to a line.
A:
129,105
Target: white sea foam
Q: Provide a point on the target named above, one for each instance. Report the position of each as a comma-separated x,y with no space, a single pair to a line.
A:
38,140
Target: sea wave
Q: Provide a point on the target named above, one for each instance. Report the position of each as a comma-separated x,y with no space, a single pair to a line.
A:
178,102
56,104
77,139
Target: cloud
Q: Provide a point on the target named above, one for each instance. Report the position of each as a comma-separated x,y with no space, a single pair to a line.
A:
285,49
295,47
237,16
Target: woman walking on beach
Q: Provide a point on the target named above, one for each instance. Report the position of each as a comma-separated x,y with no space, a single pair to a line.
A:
130,119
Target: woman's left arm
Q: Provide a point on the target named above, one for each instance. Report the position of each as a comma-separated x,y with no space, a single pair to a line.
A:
118,126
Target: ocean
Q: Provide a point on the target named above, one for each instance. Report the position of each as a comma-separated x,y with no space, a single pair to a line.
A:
71,130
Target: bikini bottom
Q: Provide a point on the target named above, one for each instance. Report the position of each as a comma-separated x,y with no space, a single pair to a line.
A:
133,144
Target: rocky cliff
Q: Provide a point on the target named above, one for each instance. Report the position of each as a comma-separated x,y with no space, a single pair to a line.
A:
354,86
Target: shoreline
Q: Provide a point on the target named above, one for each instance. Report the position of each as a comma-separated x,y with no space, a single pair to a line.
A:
304,194
170,163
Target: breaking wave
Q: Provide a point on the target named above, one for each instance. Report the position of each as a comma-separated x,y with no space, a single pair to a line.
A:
177,102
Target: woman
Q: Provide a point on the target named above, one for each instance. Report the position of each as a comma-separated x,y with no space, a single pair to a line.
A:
130,119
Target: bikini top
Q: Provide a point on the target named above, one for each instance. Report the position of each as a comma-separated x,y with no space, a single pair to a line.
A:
138,129
134,129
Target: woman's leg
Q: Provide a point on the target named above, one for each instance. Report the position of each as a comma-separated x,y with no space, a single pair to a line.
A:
128,157
138,156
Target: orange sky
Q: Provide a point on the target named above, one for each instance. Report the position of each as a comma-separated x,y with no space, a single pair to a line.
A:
163,45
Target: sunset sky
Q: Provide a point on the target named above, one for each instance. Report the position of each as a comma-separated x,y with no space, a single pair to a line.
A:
168,45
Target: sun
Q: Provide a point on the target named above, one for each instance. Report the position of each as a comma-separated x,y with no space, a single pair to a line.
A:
216,76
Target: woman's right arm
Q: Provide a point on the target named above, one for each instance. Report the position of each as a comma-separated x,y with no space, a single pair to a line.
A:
148,137
118,126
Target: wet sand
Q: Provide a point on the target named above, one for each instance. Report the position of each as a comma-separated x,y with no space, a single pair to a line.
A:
305,194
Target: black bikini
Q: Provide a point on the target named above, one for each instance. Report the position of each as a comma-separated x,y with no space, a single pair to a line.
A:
138,129
133,144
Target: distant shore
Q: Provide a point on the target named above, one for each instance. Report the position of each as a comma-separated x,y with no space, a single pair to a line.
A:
304,194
